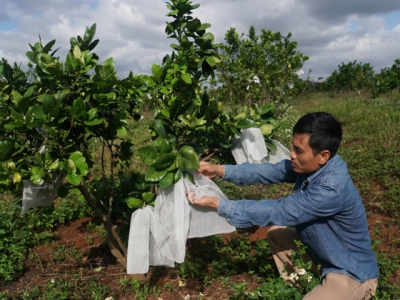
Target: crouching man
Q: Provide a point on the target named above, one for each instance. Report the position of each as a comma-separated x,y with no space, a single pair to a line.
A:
325,211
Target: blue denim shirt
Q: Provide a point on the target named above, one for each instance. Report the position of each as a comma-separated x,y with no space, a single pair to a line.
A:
325,208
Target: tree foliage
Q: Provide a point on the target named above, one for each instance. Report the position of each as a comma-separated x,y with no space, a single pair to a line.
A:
189,122
388,80
351,77
260,68
360,78
50,116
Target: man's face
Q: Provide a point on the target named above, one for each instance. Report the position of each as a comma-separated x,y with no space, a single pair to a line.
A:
302,156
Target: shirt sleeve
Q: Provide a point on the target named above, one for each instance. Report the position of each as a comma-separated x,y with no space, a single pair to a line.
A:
305,206
247,174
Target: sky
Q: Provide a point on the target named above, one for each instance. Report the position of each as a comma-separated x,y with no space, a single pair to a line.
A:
133,31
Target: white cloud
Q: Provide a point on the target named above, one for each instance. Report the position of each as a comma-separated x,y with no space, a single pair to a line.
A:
132,31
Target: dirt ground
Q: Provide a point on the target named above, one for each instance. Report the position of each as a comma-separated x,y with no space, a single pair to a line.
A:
97,262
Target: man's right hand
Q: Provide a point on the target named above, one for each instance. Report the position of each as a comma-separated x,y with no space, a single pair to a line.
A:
210,170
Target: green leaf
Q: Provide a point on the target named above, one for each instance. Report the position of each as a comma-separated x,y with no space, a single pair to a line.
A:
78,109
38,113
15,97
148,197
77,52
77,164
6,150
38,174
153,175
74,179
157,71
54,165
180,163
93,122
266,108
159,128
164,161
31,56
186,77
92,113
245,124
211,61
167,180
148,154
267,129
162,145
134,203
48,103
122,132
177,175
189,158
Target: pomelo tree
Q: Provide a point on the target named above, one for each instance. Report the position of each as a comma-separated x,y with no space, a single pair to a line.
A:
189,122
51,116
262,69
54,116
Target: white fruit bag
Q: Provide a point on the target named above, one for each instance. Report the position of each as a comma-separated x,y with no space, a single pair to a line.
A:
279,154
251,147
158,237
42,194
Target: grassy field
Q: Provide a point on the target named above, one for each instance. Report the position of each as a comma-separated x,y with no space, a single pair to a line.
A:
71,261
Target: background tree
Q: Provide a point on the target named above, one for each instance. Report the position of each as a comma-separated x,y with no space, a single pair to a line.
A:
388,80
260,68
352,78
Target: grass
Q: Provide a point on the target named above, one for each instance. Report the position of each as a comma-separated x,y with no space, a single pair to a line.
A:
371,149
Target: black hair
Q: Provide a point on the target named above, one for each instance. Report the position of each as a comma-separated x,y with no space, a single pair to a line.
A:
324,130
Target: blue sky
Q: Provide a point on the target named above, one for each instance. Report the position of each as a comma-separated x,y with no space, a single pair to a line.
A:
132,31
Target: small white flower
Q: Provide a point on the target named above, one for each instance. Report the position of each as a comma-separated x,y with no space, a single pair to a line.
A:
302,272
309,278
109,298
52,280
187,297
284,276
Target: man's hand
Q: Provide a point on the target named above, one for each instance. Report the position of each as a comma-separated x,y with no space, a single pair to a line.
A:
210,170
206,201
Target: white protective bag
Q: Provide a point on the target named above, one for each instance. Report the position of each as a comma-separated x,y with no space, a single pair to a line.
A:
251,148
158,237
279,154
42,194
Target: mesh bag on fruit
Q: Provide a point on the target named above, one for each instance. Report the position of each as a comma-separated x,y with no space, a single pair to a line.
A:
158,237
279,154
42,194
251,148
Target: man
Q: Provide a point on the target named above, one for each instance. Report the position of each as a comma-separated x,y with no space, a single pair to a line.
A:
325,210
